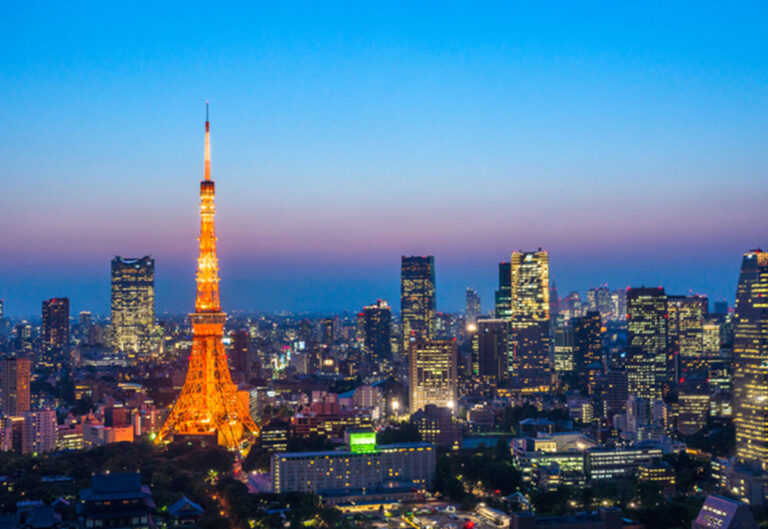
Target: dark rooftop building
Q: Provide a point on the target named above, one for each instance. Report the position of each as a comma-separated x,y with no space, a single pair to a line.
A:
724,513
609,518
117,501
185,513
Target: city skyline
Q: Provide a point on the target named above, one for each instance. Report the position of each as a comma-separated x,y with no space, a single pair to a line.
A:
622,141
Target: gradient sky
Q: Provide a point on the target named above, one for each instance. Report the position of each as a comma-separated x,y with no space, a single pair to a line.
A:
630,141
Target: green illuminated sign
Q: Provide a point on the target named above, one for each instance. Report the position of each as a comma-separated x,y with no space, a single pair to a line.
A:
362,442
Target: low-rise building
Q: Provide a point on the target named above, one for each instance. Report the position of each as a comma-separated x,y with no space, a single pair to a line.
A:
402,467
605,464
718,512
116,500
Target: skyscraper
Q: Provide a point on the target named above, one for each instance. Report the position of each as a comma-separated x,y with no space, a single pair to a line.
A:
563,349
647,355
209,405
686,336
16,385
587,340
376,330
133,305
492,351
474,306
56,322
750,361
417,297
503,296
587,347
599,300
240,356
529,320
432,373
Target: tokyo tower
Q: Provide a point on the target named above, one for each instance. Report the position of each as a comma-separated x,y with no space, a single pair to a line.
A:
208,405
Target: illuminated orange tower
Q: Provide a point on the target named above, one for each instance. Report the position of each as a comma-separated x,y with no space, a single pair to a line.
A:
209,405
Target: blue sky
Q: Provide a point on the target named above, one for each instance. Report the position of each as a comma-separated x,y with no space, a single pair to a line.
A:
628,140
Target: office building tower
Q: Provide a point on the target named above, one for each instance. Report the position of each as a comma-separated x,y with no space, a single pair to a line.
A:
616,393
492,351
571,306
376,334
720,308
209,406
438,426
474,307
56,322
710,338
563,349
619,305
599,300
531,366
587,348
750,361
133,306
647,355
417,297
503,296
2,309
17,373
432,373
693,405
587,341
240,356
328,329
686,338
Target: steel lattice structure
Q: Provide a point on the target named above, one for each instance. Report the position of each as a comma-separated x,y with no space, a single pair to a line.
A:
208,404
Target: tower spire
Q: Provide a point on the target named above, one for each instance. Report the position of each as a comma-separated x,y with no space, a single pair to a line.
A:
207,144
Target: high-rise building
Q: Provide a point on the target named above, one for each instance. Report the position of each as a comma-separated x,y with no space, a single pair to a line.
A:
133,305
750,361
616,393
376,333
417,297
647,355
686,338
492,351
563,349
710,337
693,405
240,357
619,305
328,328
39,431
210,405
599,300
2,309
432,373
56,322
16,385
587,340
503,296
587,348
474,306
531,366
